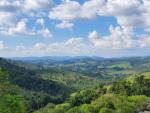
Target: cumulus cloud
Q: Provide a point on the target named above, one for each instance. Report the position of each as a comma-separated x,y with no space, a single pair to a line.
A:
145,42
12,13
129,13
90,8
45,33
123,11
2,46
38,4
72,10
72,46
8,5
20,28
41,22
40,46
6,19
65,24
66,11
20,48
119,38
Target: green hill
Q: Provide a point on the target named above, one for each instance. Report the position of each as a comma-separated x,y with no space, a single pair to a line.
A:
101,69
36,91
121,97
76,85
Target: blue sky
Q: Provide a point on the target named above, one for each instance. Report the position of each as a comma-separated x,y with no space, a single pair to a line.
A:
107,28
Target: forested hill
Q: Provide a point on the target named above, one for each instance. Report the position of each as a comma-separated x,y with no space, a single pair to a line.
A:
75,85
125,96
83,64
32,87
103,69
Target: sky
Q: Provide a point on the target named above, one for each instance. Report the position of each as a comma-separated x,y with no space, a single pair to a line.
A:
106,28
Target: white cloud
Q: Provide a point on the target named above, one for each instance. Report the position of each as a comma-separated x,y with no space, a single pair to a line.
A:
20,47
8,5
65,24
45,33
41,22
145,42
20,28
40,46
123,11
129,13
12,13
66,11
118,7
72,10
38,4
6,19
72,46
75,47
2,46
119,38
90,8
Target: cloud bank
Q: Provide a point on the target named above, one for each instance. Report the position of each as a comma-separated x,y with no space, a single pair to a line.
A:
122,38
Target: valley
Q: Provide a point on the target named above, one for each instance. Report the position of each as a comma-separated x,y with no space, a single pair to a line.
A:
78,84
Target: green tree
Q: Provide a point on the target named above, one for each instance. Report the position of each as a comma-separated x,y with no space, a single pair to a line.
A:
83,97
10,101
106,110
111,103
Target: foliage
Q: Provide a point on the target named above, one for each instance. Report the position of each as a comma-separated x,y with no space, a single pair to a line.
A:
114,103
98,85
83,97
139,86
84,108
10,101
95,101
36,91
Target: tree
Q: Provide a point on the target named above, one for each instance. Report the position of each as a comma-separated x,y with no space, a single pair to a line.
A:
10,101
83,97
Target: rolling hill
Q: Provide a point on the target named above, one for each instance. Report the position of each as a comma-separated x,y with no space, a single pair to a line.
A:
36,91
77,84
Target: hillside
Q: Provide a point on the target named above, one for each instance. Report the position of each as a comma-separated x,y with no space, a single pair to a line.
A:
36,91
101,69
120,97
79,84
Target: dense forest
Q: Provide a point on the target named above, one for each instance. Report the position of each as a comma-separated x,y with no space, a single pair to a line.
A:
75,85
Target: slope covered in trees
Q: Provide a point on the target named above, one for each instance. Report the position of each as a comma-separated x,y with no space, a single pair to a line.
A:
10,99
75,85
35,91
120,97
102,69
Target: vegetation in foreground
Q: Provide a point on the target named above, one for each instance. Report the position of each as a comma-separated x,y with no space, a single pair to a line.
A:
120,97
10,99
